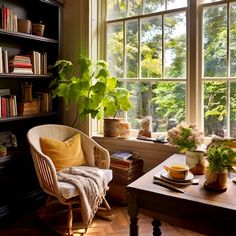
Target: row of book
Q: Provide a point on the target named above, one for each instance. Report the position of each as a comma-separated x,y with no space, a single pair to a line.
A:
42,102
32,63
8,106
8,19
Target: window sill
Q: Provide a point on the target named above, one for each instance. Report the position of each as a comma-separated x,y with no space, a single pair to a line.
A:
152,153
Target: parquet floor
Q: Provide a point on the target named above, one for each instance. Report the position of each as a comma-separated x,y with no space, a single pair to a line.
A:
119,226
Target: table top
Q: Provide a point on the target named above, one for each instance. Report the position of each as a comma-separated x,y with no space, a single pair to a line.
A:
194,193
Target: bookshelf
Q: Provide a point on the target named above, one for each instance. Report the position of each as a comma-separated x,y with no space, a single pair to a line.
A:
20,191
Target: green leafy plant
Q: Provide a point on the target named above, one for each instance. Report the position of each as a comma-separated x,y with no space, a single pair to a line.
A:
90,85
221,155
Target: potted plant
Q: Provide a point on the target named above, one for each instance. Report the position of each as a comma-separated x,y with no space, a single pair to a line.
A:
91,87
188,138
221,157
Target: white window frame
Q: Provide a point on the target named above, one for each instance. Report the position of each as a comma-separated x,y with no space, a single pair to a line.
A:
193,85
203,79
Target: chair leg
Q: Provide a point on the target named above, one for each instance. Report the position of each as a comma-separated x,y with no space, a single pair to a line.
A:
70,220
105,212
107,206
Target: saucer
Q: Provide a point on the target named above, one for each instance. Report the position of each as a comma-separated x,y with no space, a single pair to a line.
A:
188,178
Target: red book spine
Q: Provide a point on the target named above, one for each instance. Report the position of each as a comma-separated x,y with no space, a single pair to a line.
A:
20,65
4,107
4,12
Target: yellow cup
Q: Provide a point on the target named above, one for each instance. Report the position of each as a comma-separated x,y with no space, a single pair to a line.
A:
177,171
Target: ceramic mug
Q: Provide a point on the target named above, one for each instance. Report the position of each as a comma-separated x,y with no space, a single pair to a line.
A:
177,171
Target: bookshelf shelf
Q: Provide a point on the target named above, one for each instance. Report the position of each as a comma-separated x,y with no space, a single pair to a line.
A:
25,76
28,117
27,36
30,55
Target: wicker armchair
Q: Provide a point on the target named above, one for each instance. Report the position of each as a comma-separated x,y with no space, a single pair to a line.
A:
66,193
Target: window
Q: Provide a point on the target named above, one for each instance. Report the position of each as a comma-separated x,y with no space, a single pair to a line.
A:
147,50
219,68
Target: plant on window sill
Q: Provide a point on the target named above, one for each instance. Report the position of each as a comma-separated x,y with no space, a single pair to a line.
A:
90,86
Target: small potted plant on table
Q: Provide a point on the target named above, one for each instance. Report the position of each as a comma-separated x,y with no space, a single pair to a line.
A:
221,157
95,92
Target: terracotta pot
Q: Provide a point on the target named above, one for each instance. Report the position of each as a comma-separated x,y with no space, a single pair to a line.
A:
38,29
111,127
196,162
216,181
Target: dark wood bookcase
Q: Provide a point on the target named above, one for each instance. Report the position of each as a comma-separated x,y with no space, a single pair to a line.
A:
19,188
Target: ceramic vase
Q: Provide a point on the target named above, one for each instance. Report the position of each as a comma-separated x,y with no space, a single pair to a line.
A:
196,162
216,181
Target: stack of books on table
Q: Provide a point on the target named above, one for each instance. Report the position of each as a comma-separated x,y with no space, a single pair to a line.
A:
20,64
126,167
162,178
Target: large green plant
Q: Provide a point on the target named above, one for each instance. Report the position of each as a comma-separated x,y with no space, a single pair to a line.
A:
90,86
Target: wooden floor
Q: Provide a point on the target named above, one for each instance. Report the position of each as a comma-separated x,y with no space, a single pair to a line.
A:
30,225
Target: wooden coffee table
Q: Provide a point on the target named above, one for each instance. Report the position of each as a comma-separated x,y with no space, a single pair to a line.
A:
197,209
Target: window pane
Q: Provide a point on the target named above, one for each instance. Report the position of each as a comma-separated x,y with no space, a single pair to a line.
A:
151,47
232,43
135,7
215,105
131,49
164,102
116,9
154,6
215,41
174,4
175,46
115,54
233,110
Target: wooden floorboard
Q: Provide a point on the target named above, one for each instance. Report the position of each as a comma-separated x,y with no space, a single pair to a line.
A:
30,225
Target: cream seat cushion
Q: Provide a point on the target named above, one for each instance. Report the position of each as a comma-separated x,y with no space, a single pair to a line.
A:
69,190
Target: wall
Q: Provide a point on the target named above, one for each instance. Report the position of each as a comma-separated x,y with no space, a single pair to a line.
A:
75,41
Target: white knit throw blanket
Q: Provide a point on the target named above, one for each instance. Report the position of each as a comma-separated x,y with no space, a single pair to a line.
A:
91,184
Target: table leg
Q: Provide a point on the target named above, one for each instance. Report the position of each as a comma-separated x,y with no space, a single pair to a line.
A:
133,213
156,227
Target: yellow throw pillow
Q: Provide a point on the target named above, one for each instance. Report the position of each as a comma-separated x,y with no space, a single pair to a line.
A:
63,154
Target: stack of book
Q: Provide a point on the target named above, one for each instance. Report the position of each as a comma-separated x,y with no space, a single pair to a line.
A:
126,166
21,64
28,108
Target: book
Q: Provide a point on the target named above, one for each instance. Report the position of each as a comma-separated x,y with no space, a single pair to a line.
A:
124,155
128,163
1,61
173,185
17,70
5,61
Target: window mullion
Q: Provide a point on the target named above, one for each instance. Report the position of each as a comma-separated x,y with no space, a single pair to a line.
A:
228,109
139,48
124,48
228,73
163,48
